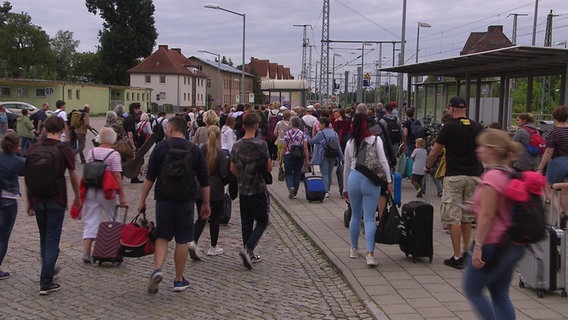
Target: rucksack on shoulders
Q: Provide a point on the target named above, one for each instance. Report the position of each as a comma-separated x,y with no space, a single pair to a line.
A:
44,170
393,130
417,130
76,119
158,129
94,171
177,178
331,147
536,144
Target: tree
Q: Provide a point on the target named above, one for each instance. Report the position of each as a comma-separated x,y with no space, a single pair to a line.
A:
128,34
24,47
64,49
88,65
4,10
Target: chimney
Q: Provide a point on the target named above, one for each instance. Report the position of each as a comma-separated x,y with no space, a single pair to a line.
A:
177,49
495,28
163,46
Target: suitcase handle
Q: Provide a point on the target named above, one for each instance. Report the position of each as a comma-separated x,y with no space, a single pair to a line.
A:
558,188
116,209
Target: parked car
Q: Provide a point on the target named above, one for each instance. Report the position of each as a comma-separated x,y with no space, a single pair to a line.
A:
17,106
12,117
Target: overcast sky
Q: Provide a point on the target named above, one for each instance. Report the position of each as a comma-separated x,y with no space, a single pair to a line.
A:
186,24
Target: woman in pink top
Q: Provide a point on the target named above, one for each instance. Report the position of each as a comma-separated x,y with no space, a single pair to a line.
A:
493,259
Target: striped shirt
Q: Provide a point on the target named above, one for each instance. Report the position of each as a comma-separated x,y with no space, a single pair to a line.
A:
113,161
557,138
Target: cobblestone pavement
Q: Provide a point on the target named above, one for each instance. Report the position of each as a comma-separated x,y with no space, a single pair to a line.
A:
293,281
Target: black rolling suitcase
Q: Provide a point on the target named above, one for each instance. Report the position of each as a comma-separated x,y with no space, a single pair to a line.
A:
416,230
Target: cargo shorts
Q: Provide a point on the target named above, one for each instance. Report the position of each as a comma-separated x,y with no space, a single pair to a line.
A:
457,190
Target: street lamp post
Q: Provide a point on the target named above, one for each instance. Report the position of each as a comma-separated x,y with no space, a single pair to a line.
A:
219,101
423,25
333,70
217,7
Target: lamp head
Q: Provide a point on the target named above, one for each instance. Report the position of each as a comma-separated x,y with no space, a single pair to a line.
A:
212,6
424,24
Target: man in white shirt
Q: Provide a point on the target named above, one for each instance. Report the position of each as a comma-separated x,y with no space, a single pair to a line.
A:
309,119
60,112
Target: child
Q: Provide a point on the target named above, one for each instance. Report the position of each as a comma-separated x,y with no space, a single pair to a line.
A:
419,156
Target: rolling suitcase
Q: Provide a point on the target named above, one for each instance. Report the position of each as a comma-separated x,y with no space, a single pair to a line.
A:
315,189
416,230
397,188
543,267
107,243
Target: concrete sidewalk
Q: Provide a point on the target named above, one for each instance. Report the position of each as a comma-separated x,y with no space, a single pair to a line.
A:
399,288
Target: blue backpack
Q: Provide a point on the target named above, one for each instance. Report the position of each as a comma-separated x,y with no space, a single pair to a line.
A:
417,130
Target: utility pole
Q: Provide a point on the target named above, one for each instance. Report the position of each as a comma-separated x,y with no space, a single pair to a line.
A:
401,59
311,80
324,54
545,99
534,23
515,15
305,43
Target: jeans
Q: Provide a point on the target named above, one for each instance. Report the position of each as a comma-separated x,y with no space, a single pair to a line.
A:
253,208
25,145
500,263
363,199
293,171
409,150
8,212
81,138
49,217
217,208
326,167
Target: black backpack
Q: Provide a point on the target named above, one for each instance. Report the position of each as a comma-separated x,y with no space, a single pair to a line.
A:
393,130
94,171
44,170
417,130
177,179
331,148
158,129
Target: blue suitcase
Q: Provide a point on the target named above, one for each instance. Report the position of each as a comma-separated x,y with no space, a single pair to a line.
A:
315,189
397,188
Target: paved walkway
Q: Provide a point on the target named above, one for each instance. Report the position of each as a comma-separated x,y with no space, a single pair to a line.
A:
399,288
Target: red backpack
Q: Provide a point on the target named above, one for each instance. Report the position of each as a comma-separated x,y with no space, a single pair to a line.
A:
536,145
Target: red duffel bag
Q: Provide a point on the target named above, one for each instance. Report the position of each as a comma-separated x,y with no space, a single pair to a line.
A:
137,238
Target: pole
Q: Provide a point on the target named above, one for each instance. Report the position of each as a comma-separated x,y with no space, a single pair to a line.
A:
417,40
401,56
534,22
243,64
220,101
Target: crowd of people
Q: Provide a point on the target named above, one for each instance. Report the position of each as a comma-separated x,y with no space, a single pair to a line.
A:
242,144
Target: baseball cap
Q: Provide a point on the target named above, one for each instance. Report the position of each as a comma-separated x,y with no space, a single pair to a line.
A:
310,108
457,102
283,108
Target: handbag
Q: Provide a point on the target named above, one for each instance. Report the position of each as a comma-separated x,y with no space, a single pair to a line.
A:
388,231
137,238
368,163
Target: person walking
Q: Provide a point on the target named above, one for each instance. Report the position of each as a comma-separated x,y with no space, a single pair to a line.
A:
228,137
96,201
218,167
249,162
281,128
419,156
11,167
121,145
393,127
129,124
527,161
47,195
462,175
81,131
175,193
26,130
358,190
321,140
3,120
493,260
295,156
201,135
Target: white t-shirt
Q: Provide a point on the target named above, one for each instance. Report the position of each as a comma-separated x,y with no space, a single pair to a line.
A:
228,138
63,115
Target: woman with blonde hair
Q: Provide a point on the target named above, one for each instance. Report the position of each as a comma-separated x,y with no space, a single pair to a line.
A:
211,119
494,256
218,167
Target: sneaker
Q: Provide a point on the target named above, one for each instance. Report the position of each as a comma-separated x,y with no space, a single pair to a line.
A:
245,257
215,251
87,258
454,263
354,253
419,195
56,270
440,194
136,180
371,262
327,194
4,275
155,280
181,285
255,259
194,251
44,291
292,193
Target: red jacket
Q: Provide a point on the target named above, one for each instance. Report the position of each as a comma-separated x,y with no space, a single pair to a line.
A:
110,189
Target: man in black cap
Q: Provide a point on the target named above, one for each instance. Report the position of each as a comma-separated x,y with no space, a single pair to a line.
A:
462,175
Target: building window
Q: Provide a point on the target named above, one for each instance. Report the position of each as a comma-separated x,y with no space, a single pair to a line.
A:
5,92
40,92
185,97
138,96
162,79
148,79
208,83
78,94
128,96
162,95
69,94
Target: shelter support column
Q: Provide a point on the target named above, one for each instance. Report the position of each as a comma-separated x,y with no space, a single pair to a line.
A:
477,98
564,87
502,92
529,102
505,123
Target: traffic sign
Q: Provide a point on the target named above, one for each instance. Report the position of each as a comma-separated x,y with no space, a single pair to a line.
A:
238,98
367,76
366,83
251,97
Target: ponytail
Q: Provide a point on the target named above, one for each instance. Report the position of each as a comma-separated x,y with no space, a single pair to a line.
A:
213,134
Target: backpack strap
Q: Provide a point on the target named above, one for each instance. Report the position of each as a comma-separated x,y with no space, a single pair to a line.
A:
106,157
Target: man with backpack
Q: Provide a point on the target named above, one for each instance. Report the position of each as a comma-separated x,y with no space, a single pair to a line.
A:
80,122
393,127
411,130
60,112
129,123
159,126
47,195
174,164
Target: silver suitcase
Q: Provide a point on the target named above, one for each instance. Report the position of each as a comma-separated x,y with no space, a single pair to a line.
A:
543,267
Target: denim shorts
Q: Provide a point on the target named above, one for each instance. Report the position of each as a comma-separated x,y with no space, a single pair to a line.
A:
175,220
557,170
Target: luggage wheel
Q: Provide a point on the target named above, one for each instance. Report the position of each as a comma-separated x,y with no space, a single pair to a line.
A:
540,293
430,259
563,293
521,284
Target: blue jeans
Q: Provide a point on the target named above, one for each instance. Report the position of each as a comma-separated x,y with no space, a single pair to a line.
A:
496,276
326,167
49,217
363,199
253,208
25,145
293,171
8,212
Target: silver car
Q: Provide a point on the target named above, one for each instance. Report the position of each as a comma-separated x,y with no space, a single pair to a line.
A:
17,106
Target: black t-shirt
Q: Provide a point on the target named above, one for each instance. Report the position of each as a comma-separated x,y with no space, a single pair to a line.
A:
129,124
458,136
410,140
